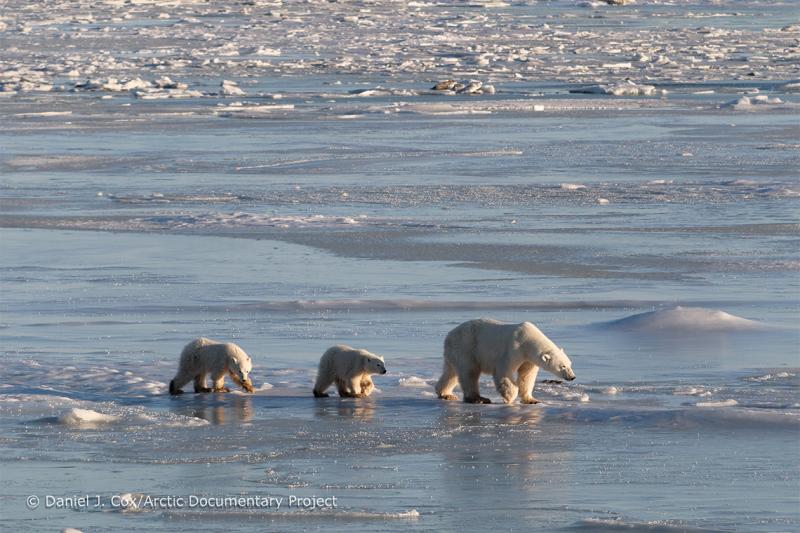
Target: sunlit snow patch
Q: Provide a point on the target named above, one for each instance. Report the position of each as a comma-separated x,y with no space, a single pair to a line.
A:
686,319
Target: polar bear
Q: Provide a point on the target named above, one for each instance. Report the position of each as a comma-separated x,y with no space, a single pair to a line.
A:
350,369
491,347
204,356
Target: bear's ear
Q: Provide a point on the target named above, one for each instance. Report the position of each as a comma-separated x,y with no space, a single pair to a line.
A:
546,357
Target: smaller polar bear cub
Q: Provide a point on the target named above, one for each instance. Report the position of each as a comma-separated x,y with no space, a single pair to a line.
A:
204,356
350,369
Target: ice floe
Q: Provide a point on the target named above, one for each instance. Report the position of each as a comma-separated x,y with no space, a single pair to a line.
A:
748,103
468,41
624,88
718,403
230,88
474,87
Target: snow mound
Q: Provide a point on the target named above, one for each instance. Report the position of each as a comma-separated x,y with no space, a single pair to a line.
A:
686,319
85,417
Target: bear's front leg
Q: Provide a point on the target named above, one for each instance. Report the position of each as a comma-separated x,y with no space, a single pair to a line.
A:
366,385
355,386
504,378
526,379
506,388
200,383
219,384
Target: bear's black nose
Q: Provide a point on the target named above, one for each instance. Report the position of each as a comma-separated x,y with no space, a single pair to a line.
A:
383,371
571,378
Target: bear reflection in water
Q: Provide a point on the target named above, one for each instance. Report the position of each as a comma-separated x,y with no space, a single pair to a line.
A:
234,410
457,416
362,411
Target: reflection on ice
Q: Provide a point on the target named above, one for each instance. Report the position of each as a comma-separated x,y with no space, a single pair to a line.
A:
230,410
333,408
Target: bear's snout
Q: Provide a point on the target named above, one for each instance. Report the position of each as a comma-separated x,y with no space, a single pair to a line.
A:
569,375
383,371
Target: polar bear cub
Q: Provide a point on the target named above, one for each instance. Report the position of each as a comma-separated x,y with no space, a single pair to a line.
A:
512,353
204,356
350,368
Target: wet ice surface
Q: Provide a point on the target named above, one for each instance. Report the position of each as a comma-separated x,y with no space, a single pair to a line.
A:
285,177
92,342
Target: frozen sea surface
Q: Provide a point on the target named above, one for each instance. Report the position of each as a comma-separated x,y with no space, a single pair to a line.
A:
671,408
630,185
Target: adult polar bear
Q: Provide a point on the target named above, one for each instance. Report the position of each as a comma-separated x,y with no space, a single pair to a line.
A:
485,346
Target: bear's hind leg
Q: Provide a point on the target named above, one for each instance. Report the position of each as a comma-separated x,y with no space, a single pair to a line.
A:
322,383
446,383
181,378
200,383
469,384
177,384
319,392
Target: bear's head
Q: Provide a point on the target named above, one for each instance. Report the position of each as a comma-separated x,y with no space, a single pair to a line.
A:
556,361
239,369
373,364
543,352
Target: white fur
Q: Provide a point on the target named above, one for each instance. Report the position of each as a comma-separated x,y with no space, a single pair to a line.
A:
204,356
512,353
350,369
